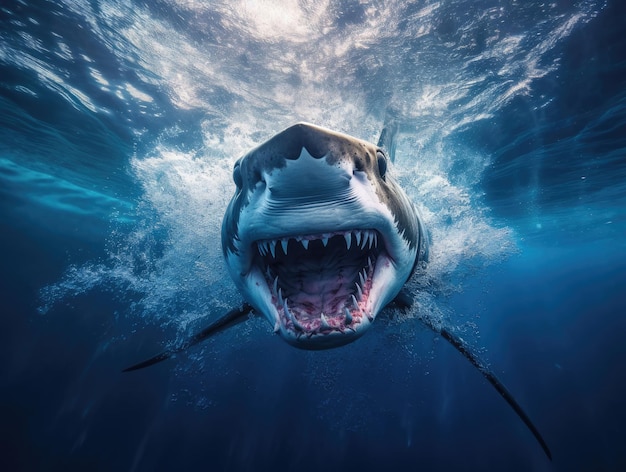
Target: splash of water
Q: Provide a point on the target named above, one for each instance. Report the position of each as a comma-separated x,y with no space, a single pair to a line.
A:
172,256
452,77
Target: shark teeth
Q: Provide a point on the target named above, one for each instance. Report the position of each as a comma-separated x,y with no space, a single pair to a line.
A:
291,317
340,316
364,239
348,319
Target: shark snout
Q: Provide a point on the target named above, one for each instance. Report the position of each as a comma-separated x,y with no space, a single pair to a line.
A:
308,179
319,142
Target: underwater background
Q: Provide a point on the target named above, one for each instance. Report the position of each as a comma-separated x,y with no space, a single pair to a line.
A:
119,124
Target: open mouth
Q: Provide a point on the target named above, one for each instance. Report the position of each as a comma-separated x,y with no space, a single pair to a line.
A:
320,284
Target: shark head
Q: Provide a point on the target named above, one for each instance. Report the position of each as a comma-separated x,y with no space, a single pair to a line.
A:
318,236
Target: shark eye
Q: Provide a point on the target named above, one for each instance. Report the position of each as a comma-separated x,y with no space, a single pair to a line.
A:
237,176
382,164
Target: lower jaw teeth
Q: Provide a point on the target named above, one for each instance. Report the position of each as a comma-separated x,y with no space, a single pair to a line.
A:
348,319
324,323
291,317
358,288
351,314
356,304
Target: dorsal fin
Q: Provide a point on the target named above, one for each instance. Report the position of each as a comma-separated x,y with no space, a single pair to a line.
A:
387,139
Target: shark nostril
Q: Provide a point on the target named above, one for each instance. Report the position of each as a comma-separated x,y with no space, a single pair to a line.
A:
359,165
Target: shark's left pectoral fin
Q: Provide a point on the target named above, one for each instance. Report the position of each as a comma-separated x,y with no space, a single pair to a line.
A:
404,300
233,317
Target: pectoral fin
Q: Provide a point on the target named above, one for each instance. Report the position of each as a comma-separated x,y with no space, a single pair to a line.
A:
232,318
403,300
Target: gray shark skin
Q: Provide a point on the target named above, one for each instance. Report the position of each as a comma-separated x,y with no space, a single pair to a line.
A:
319,237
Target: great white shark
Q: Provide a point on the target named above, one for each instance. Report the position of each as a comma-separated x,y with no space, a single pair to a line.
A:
319,238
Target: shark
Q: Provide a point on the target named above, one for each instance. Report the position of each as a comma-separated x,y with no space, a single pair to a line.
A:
320,238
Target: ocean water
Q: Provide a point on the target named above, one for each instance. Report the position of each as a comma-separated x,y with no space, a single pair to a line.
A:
119,125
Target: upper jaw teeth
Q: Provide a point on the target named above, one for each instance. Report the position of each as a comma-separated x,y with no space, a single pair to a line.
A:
361,238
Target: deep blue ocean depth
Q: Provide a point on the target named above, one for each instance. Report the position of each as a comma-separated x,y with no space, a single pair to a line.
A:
120,122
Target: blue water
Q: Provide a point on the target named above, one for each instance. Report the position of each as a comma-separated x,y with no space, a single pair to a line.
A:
119,125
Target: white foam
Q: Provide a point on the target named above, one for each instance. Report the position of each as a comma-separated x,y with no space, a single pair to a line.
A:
274,63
